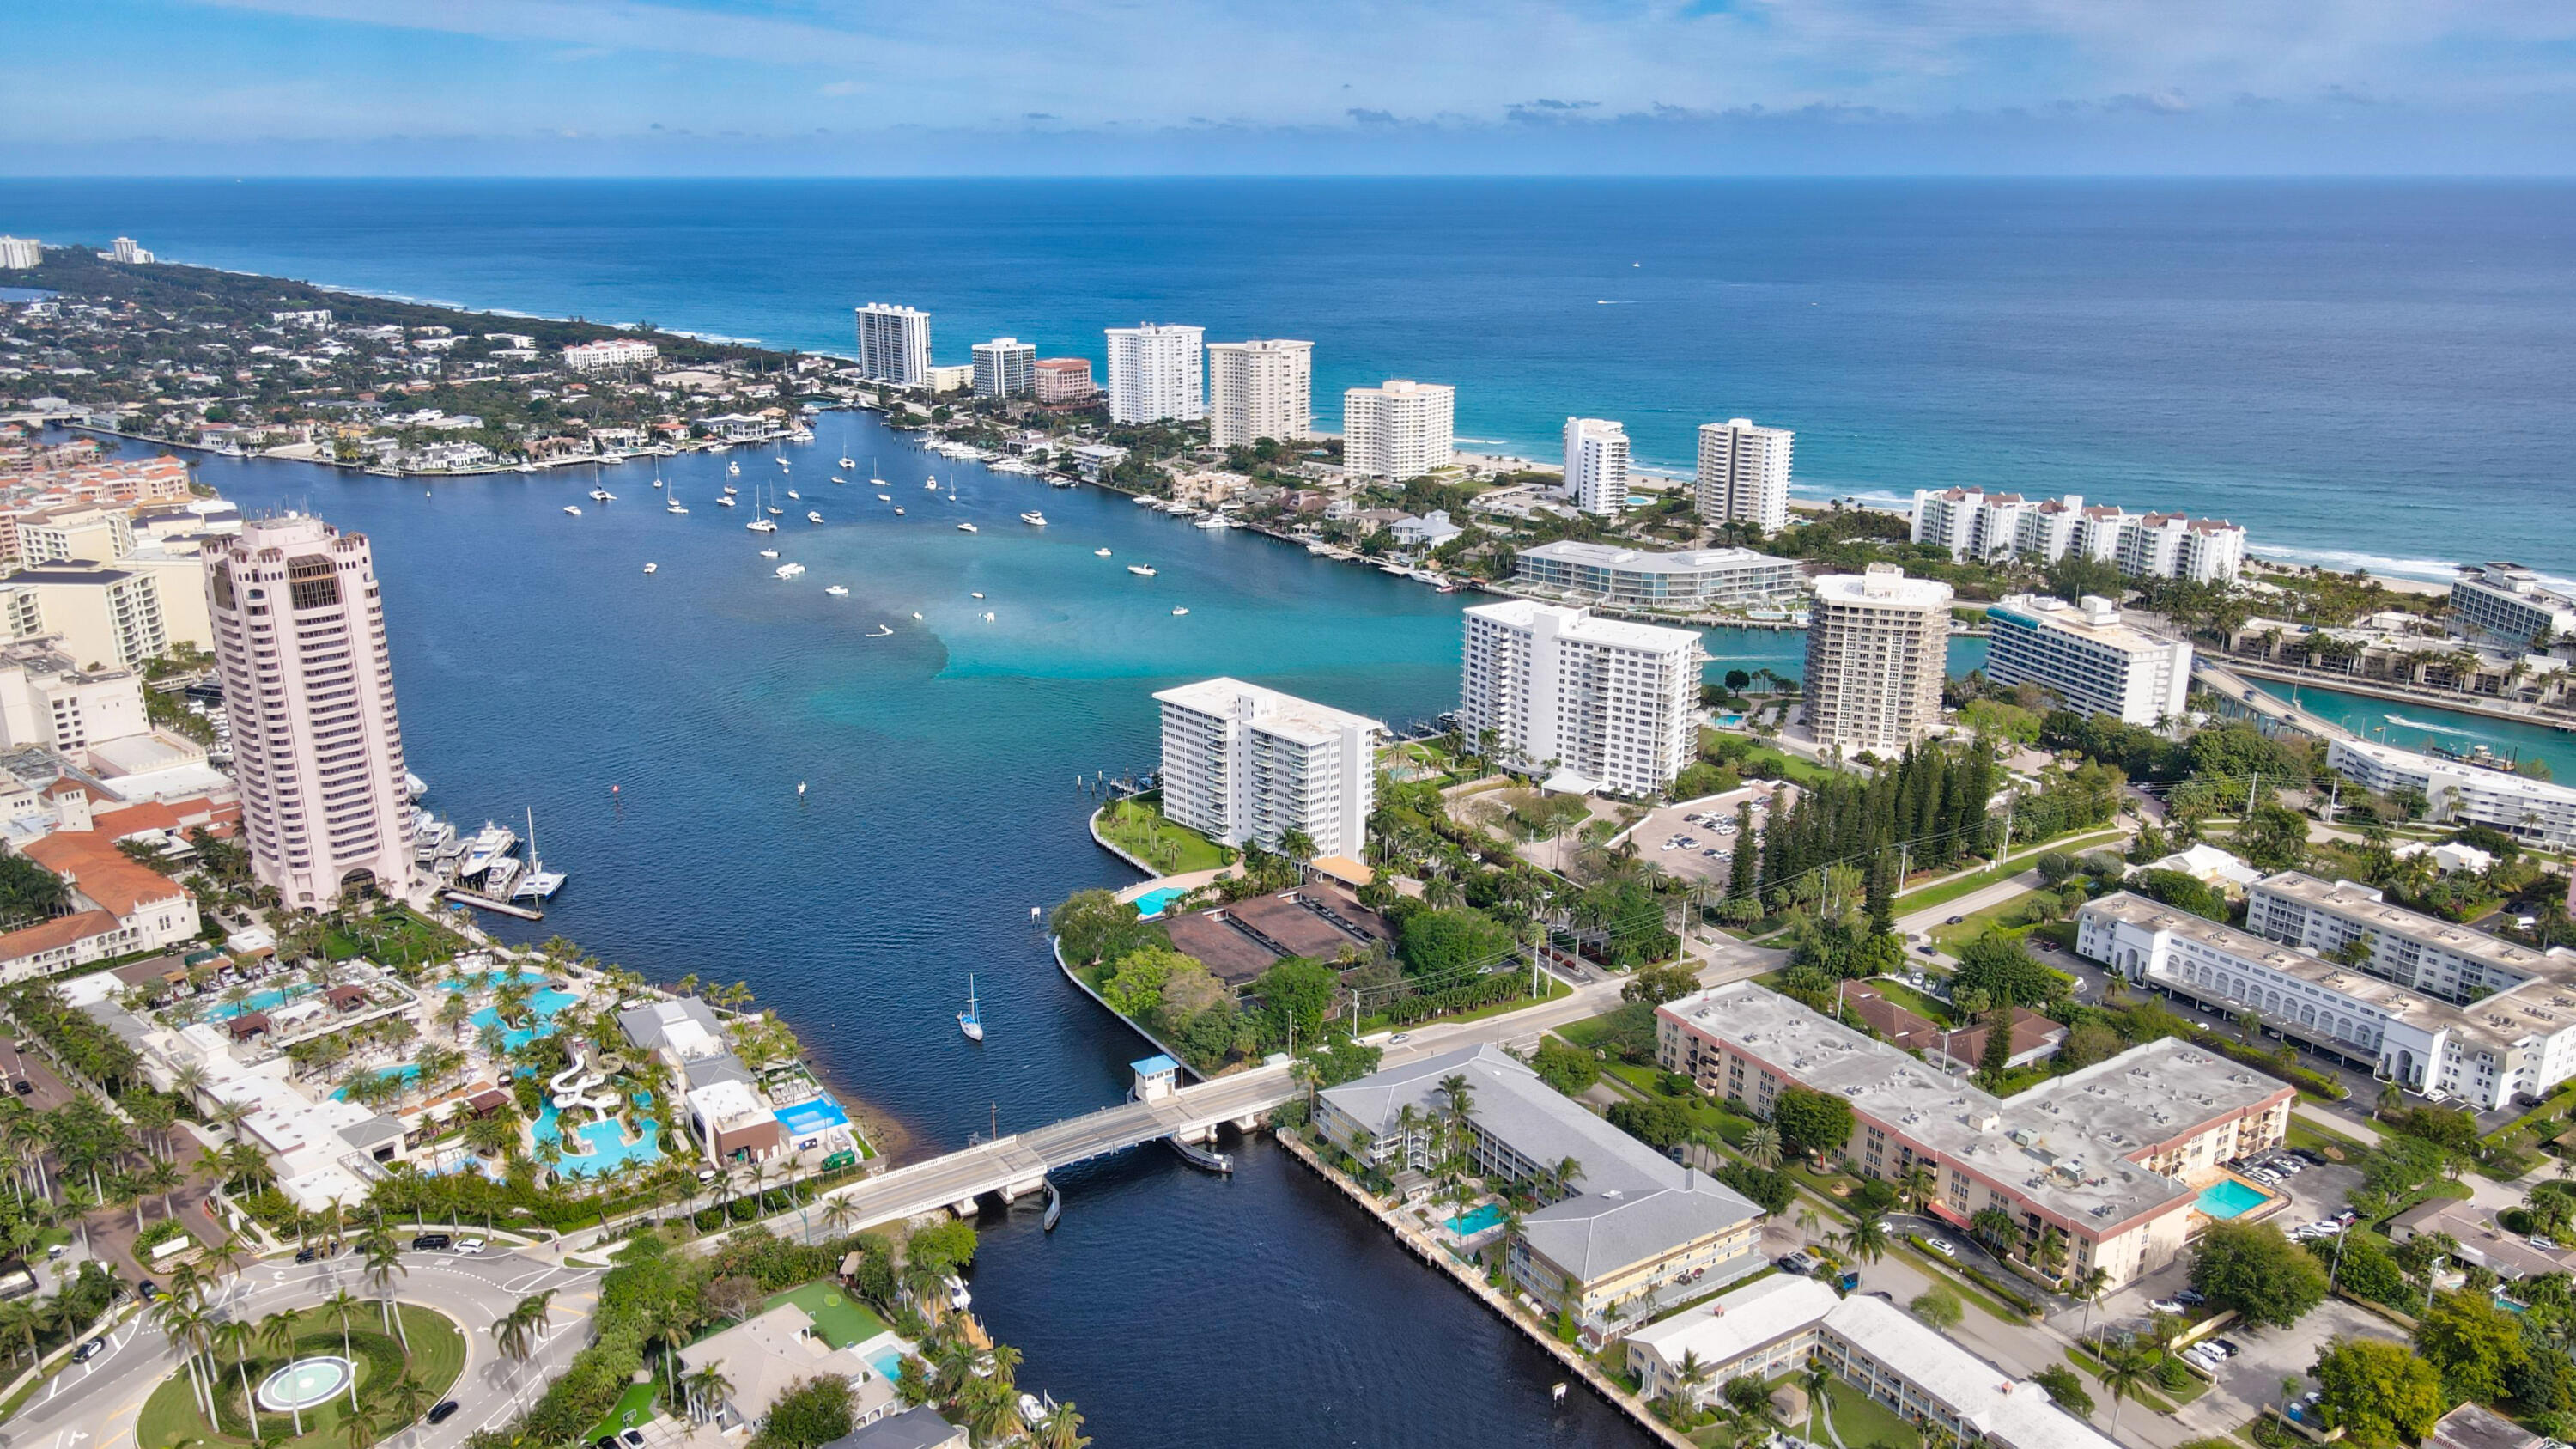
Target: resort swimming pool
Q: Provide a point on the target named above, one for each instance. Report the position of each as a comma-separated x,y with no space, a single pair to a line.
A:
1476,1220
609,1149
545,1001
1154,903
2227,1198
264,1000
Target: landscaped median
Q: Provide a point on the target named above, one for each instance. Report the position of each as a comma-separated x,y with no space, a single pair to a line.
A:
397,1379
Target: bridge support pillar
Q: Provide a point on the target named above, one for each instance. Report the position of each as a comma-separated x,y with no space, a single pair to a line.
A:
963,1207
1196,1135
1012,1191
1247,1124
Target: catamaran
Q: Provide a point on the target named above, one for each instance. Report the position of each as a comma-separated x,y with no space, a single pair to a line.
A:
968,1021
539,884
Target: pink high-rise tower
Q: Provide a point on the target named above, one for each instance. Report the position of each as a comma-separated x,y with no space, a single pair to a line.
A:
300,645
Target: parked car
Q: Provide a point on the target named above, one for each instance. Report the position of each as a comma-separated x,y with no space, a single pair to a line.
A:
2167,1305
2194,1297
442,1411
148,1290
471,1244
1942,1246
431,1242
1400,1038
1956,921
1928,950
2544,1242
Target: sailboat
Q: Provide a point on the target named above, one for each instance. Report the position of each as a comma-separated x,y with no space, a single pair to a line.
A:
873,480
539,883
968,1021
733,468
759,524
846,463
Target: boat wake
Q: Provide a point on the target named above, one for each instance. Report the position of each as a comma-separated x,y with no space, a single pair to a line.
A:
2402,722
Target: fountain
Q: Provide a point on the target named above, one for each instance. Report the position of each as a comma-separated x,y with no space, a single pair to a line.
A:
305,1383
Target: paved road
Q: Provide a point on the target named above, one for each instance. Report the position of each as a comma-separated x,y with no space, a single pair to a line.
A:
93,1405
1967,905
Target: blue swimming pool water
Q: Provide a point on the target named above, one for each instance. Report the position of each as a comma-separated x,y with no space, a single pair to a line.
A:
1153,903
889,1365
545,1001
609,1148
264,1000
1476,1220
2227,1198
807,1118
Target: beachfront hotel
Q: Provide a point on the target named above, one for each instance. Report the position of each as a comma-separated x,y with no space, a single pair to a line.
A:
1005,367
1157,373
1691,578
2115,1156
609,354
2536,812
894,345
1592,703
1877,650
1399,429
1596,465
1065,380
2507,603
2443,1011
2088,655
1974,524
1744,474
1260,389
1778,1326
1616,1240
1243,763
309,687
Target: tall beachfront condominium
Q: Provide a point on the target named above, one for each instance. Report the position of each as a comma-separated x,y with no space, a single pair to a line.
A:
1691,578
309,687
1605,701
2086,653
607,354
894,345
1744,474
1065,380
1974,524
2536,812
1596,465
1157,373
1398,429
1005,367
1260,389
1242,763
127,251
2507,603
1876,645
19,252
2436,1008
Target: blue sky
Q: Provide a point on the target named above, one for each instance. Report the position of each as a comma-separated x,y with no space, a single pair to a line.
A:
1254,86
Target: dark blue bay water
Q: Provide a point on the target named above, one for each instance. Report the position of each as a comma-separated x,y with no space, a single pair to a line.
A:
2361,372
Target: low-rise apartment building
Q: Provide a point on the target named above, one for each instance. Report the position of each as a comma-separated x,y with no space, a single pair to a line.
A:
1628,1228
2537,812
609,353
1697,578
2110,1156
2507,603
1780,1325
2088,655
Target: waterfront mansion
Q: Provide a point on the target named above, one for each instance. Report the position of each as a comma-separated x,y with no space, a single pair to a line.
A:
2112,1156
1608,1249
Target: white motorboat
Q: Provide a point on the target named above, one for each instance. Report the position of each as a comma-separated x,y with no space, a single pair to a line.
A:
414,786
492,842
931,483
652,568
733,468
988,618
789,570
885,498
812,517
965,528
1176,613
784,465
1214,520
898,513
573,508
429,838
958,1298
1033,519
1100,553
769,553
838,591
730,489
726,501
1142,571
916,613
837,478
792,493
774,511
882,631
499,877
975,593
525,468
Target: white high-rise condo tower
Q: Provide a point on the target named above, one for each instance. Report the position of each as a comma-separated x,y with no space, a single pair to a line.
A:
1596,465
1260,389
20,251
1005,367
1561,692
1877,646
1744,474
1398,429
309,688
1157,373
1243,763
894,345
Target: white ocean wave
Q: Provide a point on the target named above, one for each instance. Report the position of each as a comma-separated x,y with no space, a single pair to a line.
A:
2436,570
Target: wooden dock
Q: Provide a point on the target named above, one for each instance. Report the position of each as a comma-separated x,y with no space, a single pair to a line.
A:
464,897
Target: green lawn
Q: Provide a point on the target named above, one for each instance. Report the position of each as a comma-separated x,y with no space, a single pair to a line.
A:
635,1406
1865,1423
1914,1001
396,935
1804,772
170,1419
1138,828
2304,1133
2006,913
841,1319
1555,989
1933,895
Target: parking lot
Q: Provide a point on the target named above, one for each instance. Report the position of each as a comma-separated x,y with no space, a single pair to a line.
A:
1697,839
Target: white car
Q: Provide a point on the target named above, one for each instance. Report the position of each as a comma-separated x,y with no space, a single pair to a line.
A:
471,1245
2167,1305
1942,1246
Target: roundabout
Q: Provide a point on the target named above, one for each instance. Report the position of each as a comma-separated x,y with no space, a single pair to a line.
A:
305,1374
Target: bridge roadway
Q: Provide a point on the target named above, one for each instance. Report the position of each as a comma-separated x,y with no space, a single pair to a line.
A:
1019,1163
2239,696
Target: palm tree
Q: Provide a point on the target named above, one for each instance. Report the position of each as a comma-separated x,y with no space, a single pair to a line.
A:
1061,1428
1919,1184
186,1325
237,1337
277,1331
342,1305
358,1431
384,1264
513,1334
410,1398
1762,1146
1814,1381
2090,1287
709,1389
1562,1177
2123,1372
1865,1239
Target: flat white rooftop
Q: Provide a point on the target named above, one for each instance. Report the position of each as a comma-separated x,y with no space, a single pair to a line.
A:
1280,714
1583,627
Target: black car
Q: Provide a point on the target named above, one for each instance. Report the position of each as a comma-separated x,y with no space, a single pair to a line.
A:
22,1087
150,1291
430,1242
2309,1155
1956,921
445,1410
2190,1297
307,1255
89,1350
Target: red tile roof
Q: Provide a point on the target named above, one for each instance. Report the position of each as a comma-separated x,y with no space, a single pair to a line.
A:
52,935
100,871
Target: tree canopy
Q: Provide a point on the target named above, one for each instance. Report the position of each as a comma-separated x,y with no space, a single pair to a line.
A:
2378,1393
2270,1281
1810,1121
